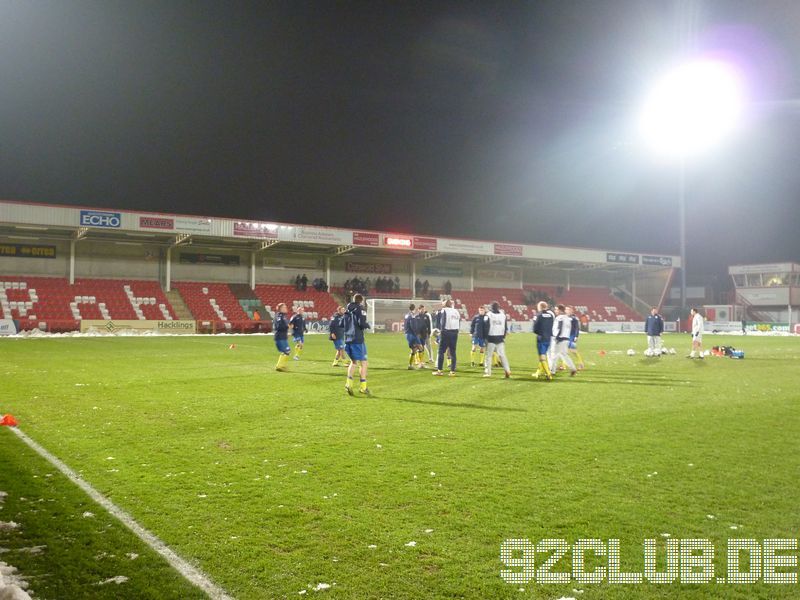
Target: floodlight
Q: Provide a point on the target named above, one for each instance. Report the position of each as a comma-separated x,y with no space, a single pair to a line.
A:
692,108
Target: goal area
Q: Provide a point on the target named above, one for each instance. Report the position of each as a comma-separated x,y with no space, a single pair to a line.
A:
386,314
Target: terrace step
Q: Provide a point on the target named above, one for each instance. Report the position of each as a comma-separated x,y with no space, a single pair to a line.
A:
178,305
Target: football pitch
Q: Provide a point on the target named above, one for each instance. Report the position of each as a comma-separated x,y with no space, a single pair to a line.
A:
280,485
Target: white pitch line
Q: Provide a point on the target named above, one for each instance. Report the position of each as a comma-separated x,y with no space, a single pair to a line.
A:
191,573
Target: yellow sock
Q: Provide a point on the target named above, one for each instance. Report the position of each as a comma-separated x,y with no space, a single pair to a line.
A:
411,358
472,356
546,368
282,361
580,358
420,356
297,350
349,383
363,384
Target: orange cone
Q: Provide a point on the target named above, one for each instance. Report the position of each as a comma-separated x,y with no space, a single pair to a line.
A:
602,353
9,421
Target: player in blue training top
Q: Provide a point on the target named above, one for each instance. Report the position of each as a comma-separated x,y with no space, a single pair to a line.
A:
355,322
476,330
425,328
280,327
336,329
411,330
573,338
298,324
543,328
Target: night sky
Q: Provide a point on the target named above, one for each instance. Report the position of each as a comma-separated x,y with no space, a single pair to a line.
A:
493,120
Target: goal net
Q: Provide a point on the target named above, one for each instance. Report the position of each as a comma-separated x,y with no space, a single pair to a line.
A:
386,314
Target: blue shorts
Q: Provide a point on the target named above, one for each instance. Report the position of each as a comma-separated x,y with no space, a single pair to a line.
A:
573,345
476,341
338,343
298,339
413,341
356,351
543,347
282,346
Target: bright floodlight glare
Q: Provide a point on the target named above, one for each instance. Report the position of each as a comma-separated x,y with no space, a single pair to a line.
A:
692,108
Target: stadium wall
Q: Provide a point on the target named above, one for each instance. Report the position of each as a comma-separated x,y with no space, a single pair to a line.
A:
110,260
47,267
348,267
561,277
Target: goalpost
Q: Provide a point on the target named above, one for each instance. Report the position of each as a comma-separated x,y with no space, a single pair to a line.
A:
386,314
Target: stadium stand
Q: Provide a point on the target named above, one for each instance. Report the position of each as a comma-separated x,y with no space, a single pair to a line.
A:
402,293
213,302
511,301
597,303
318,305
61,306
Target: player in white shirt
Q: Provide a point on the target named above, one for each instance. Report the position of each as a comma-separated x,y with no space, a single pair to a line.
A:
495,327
562,333
450,323
697,334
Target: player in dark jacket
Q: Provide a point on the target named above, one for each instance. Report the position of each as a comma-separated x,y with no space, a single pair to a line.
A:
424,329
543,328
654,327
355,322
280,327
411,330
476,330
336,329
298,324
573,339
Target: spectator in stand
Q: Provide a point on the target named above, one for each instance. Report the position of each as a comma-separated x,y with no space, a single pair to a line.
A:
303,283
425,287
297,283
396,284
256,320
417,287
367,285
448,288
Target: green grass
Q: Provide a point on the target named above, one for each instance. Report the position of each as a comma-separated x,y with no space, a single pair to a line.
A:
274,482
